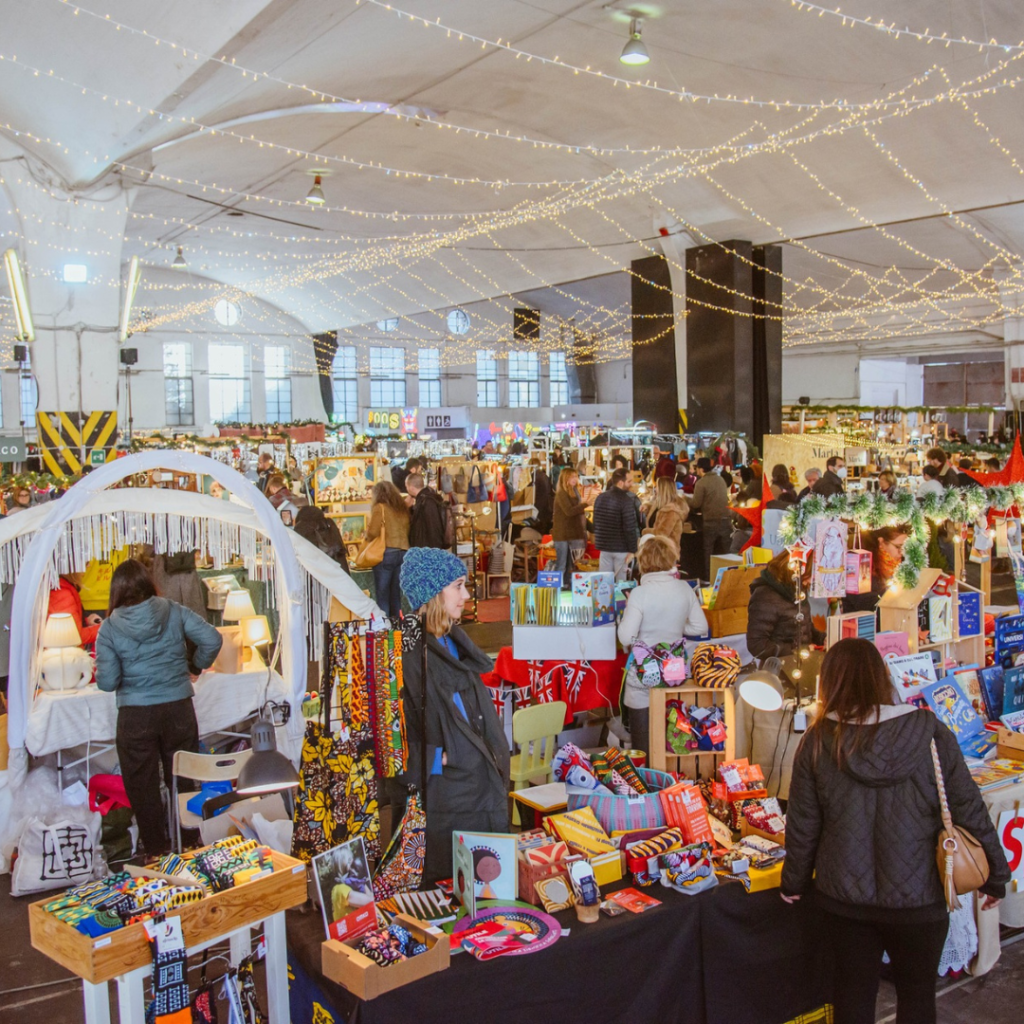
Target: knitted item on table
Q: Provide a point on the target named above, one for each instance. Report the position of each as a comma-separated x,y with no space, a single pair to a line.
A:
618,761
170,1003
426,572
571,757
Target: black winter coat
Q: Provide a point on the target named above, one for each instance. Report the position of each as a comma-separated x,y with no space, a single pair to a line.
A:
830,483
471,792
543,500
615,521
429,517
772,629
867,832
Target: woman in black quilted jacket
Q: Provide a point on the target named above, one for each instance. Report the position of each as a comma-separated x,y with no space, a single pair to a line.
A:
861,833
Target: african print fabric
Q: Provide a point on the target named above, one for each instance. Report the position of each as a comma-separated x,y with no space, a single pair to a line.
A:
401,867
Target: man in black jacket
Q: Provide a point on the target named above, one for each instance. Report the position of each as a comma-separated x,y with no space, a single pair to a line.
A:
963,479
834,480
400,474
429,515
616,530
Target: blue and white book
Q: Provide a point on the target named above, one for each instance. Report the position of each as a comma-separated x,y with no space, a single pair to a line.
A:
955,712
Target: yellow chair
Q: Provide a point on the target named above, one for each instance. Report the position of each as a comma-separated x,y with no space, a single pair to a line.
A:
199,768
534,731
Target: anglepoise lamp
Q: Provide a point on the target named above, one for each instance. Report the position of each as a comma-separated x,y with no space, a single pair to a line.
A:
64,665
268,770
763,689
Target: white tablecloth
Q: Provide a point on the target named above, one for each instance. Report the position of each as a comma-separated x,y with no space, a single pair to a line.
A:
61,720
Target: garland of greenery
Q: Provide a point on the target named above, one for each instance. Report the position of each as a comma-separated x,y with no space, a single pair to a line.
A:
926,410
874,511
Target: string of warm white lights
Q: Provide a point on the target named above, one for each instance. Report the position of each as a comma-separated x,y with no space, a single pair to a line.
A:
891,29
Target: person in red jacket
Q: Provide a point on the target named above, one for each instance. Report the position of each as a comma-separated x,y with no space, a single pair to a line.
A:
66,599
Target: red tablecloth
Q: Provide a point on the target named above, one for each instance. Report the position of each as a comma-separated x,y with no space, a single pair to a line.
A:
581,684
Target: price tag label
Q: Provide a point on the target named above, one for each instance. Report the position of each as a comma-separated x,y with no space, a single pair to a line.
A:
717,733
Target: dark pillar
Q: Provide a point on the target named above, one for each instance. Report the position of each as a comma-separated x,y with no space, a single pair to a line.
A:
654,345
733,346
324,348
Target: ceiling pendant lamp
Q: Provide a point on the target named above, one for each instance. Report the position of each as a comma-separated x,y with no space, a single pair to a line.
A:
634,52
179,260
315,196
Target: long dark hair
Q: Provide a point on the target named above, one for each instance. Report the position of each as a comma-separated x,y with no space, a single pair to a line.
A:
387,494
854,684
130,584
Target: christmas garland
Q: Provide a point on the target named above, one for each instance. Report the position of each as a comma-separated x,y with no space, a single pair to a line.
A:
926,410
875,511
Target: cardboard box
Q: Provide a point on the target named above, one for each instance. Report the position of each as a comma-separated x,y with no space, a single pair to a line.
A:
724,562
270,806
367,980
746,829
608,867
1009,744
729,616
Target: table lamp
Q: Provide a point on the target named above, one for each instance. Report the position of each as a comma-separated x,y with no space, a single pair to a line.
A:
237,606
255,632
268,770
64,665
763,689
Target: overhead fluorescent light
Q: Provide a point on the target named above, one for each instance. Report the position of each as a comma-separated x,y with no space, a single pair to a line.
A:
24,328
134,277
75,273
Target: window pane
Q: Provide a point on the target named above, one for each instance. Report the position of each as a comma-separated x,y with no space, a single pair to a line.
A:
429,360
346,400
345,361
279,400
387,393
178,409
559,392
387,377
227,360
29,396
277,361
230,400
430,394
177,359
556,363
486,379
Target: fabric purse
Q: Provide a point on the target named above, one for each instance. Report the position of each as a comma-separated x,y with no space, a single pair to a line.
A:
477,490
714,667
963,866
372,551
445,481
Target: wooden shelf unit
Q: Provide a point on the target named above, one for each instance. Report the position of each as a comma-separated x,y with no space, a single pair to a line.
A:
703,763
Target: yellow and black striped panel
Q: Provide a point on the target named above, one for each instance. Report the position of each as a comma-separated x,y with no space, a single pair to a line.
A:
62,441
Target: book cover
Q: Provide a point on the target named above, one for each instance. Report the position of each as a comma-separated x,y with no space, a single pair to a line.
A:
892,642
1009,640
494,868
954,711
996,773
968,605
634,900
911,673
345,890
969,683
1013,689
828,574
462,874
940,619
991,680
1014,721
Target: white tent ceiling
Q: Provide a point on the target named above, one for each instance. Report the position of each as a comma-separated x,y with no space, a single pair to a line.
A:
133,88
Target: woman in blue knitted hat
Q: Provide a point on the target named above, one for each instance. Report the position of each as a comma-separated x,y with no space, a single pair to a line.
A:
467,751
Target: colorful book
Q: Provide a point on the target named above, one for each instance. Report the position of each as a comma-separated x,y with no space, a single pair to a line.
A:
892,643
940,619
1013,689
969,612
495,871
993,774
463,885
582,831
967,680
1009,640
634,900
956,713
911,674
991,680
1014,721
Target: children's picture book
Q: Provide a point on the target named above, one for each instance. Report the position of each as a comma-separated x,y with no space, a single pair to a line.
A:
967,680
494,869
968,605
1013,689
345,890
463,886
993,774
953,710
892,643
1014,721
940,619
910,674
1009,640
991,680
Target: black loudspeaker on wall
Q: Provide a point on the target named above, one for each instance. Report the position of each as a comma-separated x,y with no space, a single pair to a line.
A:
20,353
129,356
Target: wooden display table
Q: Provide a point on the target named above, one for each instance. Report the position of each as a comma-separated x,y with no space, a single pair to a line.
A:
126,956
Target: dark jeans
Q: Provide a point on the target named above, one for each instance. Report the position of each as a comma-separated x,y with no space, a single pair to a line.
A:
914,951
147,737
717,537
640,730
386,581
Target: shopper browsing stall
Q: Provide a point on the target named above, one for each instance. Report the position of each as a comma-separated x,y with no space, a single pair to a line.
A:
663,609
711,498
777,623
886,547
428,514
389,515
834,480
140,655
666,512
467,753
861,832
616,526
569,525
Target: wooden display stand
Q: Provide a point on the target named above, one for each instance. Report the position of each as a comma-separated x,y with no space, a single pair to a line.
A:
1009,744
729,616
366,979
703,762
126,956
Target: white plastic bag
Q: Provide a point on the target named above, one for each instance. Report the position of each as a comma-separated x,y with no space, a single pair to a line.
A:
59,853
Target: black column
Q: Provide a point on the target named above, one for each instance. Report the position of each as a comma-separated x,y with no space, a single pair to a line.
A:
324,348
733,344
654,345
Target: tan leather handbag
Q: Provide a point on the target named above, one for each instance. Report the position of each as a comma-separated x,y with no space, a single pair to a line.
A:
372,551
963,866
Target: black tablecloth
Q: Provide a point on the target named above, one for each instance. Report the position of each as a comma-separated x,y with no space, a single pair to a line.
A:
723,957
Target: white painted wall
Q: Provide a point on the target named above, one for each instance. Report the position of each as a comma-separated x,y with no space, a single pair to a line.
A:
891,382
821,378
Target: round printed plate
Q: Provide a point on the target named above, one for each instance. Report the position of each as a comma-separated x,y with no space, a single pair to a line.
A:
534,929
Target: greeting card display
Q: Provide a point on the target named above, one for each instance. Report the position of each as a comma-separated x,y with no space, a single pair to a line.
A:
911,674
345,890
952,708
494,868
858,571
828,575
992,685
597,589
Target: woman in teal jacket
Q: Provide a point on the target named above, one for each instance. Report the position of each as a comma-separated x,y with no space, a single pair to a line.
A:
141,655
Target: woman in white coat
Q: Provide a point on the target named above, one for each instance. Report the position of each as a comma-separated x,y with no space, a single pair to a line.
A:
662,609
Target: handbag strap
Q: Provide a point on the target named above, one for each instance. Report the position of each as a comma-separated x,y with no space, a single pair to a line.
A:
940,784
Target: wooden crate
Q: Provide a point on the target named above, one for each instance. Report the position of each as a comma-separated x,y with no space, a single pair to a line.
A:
1010,744
367,980
116,953
704,763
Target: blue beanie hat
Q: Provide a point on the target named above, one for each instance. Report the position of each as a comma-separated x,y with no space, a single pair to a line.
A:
426,572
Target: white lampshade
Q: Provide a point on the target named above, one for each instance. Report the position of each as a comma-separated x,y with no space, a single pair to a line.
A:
760,693
61,631
238,606
255,630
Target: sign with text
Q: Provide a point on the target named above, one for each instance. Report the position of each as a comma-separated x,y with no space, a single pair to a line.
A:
12,449
394,421
456,418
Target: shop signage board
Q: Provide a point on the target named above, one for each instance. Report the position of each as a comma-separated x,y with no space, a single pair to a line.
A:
1010,830
393,421
455,418
12,449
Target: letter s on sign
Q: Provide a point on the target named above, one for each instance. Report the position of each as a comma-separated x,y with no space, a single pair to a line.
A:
1012,845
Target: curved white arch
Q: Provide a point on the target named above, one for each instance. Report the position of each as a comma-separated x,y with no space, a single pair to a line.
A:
28,612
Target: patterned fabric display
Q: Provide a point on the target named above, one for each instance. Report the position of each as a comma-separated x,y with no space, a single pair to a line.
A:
170,988
384,682
401,867
714,667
